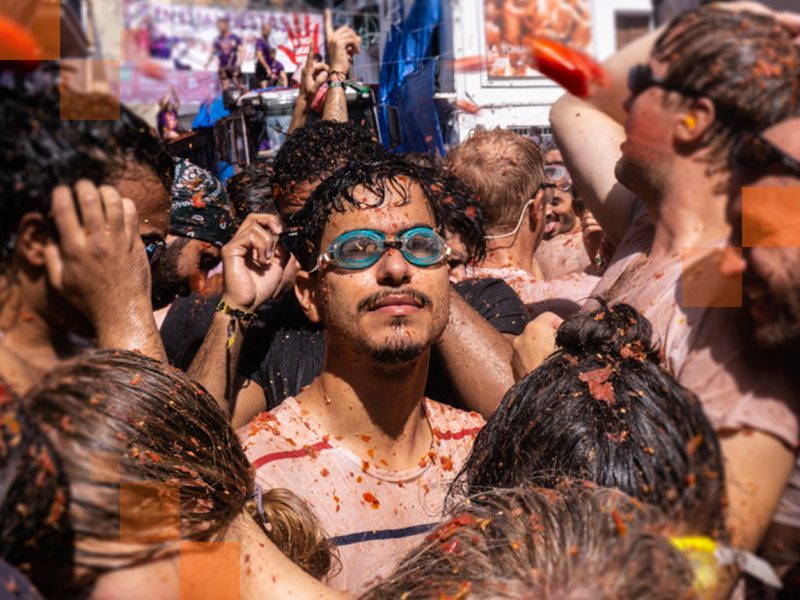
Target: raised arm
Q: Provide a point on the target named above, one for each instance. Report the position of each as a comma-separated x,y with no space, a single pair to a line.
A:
253,265
589,133
477,357
313,75
342,44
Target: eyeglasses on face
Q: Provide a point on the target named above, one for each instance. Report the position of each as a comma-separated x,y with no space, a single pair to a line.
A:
753,153
558,176
362,248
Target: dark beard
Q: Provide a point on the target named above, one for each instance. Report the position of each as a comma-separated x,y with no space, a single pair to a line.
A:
399,351
394,355
167,283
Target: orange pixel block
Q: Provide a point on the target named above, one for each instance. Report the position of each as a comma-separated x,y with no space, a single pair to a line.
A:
149,512
30,30
90,90
771,217
704,281
209,570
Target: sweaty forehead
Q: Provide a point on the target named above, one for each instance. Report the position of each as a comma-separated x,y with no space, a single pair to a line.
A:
404,206
151,197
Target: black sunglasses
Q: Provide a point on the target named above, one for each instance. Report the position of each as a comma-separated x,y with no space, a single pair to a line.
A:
754,153
641,77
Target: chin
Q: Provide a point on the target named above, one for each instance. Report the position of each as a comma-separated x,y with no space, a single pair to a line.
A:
398,354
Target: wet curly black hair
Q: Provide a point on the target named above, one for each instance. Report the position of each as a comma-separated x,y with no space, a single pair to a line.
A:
602,409
41,151
316,150
251,192
336,194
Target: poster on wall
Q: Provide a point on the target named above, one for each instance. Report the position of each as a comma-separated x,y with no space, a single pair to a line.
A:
510,24
170,44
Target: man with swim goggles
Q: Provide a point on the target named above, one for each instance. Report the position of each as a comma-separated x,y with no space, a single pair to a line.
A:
375,277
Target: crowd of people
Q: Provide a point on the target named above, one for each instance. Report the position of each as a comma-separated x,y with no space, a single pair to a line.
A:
535,368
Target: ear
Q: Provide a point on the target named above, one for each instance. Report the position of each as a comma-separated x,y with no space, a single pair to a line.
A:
306,292
695,120
537,209
33,235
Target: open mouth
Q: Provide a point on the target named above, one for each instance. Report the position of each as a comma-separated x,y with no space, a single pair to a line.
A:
550,227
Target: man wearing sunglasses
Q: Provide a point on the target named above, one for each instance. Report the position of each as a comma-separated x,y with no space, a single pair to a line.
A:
76,195
651,162
361,445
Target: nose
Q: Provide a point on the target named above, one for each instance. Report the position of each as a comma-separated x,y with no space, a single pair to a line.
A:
731,263
393,268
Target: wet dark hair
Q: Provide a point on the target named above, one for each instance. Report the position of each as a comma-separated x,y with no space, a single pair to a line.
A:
34,495
250,191
602,409
315,151
461,214
41,151
575,542
746,63
336,194
135,433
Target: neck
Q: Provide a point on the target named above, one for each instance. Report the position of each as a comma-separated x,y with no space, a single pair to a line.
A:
690,211
375,408
26,332
512,252
264,567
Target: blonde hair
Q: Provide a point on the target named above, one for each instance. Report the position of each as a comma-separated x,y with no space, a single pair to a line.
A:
294,528
504,169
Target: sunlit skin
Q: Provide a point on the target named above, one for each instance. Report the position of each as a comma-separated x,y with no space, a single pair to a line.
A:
646,151
400,320
384,319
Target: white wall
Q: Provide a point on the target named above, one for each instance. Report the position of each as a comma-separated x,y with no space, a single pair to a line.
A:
521,102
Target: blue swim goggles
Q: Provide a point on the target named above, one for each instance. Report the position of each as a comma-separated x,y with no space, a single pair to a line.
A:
362,248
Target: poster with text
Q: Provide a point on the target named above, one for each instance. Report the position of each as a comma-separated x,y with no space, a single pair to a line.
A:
511,24
170,44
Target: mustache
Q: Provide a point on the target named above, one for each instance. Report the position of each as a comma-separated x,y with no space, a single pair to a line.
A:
370,301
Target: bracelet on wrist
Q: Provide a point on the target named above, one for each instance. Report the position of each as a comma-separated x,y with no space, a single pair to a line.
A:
236,313
335,84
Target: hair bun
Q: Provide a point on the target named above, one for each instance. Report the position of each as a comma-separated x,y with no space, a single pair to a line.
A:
619,331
